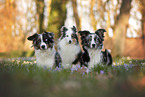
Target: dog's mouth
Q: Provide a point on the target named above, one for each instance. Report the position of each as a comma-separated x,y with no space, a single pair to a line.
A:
43,49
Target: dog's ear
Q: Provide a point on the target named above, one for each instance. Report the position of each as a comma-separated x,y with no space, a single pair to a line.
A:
51,37
63,29
100,33
83,33
50,34
74,29
34,36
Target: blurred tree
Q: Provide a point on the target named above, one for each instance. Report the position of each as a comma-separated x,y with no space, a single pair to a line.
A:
142,8
40,12
18,19
57,16
92,16
26,22
120,28
76,16
7,19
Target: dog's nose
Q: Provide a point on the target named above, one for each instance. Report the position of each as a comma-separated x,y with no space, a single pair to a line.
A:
43,46
70,41
93,45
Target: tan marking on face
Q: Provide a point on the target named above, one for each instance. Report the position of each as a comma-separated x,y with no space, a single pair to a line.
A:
74,41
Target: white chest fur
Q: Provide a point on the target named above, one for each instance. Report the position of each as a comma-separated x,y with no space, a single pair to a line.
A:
95,57
68,52
45,57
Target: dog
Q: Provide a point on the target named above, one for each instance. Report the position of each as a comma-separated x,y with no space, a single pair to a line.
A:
46,55
92,44
68,47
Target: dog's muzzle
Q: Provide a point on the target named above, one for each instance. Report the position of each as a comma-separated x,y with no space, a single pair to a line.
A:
43,47
70,41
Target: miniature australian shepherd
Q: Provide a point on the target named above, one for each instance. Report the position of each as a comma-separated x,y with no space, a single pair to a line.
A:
45,52
92,44
68,47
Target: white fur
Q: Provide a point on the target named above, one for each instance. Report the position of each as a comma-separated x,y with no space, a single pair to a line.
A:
92,42
68,33
68,52
45,57
42,42
95,57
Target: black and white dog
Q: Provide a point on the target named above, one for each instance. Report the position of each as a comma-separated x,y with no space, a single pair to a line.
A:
45,52
68,47
92,45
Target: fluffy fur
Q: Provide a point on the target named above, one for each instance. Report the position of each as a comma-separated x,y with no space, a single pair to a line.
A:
45,52
95,57
68,46
93,44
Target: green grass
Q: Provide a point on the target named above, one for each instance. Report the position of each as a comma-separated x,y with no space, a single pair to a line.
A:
24,79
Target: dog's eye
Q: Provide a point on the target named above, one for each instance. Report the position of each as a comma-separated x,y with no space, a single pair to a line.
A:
39,41
90,39
72,36
86,42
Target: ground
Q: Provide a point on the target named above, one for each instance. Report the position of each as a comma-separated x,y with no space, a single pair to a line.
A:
21,77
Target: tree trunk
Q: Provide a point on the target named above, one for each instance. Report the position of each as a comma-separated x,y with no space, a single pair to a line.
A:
92,16
76,16
40,12
143,23
57,16
120,28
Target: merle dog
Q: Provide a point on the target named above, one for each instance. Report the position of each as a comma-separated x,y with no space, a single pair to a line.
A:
92,45
68,46
45,52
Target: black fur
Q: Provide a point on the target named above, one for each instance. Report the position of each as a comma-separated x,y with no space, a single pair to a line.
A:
63,32
106,57
33,37
36,41
86,38
74,38
48,38
100,33
74,29
78,59
85,58
58,60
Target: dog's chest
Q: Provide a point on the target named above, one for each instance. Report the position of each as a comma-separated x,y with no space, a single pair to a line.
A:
95,58
68,52
45,58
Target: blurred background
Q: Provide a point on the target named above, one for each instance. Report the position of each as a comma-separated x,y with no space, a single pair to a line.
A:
124,21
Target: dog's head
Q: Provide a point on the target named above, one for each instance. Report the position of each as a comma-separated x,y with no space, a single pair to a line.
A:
42,41
92,40
69,35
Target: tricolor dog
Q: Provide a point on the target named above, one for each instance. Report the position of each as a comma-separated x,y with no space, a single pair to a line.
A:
92,45
68,46
45,52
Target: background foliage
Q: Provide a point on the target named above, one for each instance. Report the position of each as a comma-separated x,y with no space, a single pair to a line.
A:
123,20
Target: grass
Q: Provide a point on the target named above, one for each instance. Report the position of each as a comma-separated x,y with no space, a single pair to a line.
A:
23,78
